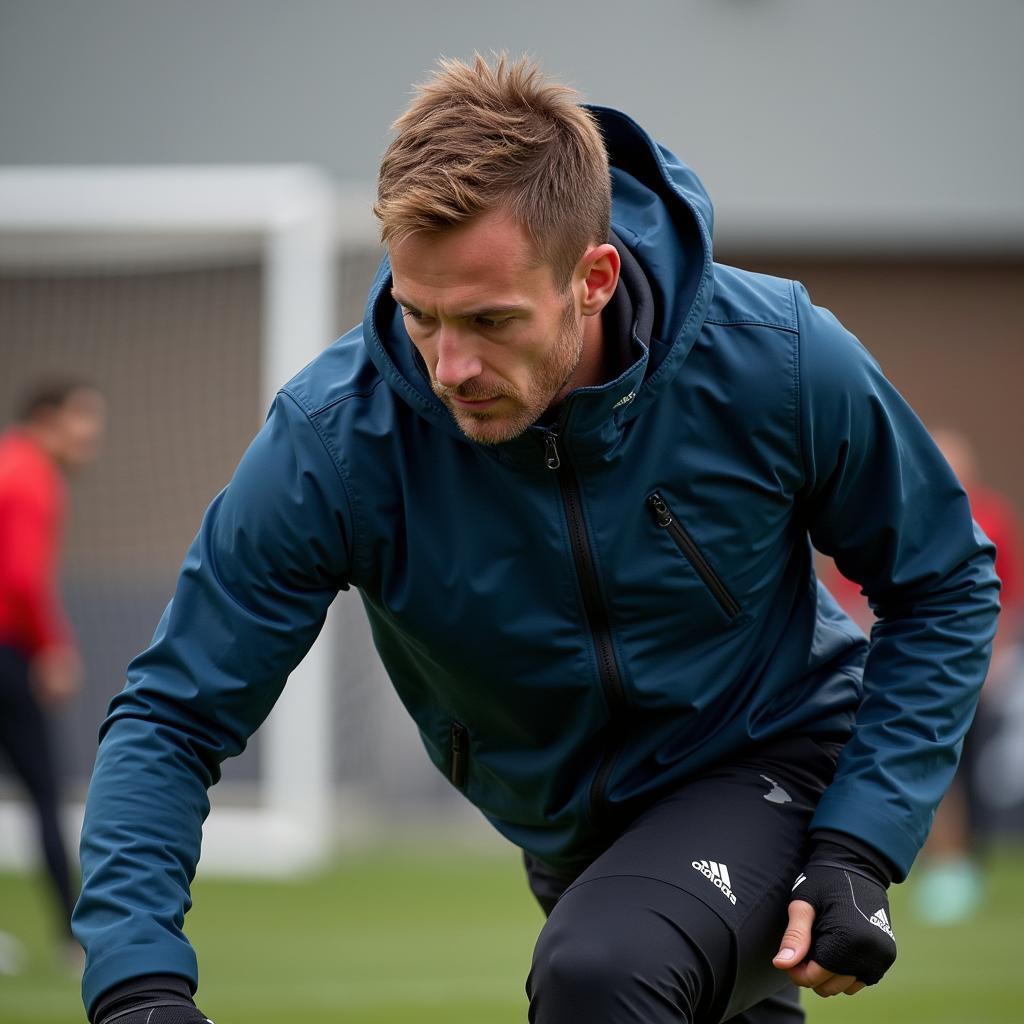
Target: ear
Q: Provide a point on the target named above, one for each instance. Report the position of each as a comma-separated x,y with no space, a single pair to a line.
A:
598,276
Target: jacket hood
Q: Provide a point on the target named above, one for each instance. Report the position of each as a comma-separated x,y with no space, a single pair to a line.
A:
661,212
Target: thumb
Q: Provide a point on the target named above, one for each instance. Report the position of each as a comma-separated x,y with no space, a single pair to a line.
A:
796,941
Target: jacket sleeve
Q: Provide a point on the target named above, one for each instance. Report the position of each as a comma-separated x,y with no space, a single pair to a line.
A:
253,592
882,501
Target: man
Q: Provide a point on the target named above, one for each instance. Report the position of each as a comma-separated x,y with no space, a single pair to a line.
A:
571,466
59,431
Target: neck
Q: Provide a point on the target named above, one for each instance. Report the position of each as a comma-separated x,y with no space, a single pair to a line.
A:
590,369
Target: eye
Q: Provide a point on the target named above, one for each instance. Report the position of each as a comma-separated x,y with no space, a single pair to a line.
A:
494,325
415,314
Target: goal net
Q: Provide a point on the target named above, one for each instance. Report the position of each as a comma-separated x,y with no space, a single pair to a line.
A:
189,296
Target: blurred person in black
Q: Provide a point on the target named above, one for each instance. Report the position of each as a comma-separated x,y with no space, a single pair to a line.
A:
59,430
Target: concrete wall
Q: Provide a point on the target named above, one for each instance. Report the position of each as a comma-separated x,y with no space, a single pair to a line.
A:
812,121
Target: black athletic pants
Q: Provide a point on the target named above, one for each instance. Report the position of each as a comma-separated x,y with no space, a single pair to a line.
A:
677,921
24,737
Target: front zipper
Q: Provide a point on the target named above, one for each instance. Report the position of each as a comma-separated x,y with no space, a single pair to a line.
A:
667,521
459,769
596,614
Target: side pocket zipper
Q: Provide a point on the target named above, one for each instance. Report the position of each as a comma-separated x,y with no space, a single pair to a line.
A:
460,755
664,518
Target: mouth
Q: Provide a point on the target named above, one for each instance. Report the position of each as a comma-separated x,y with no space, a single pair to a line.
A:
475,404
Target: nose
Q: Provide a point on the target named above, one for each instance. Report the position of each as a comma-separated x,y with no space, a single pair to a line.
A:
456,361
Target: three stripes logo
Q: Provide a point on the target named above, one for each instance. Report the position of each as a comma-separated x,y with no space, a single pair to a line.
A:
718,875
881,920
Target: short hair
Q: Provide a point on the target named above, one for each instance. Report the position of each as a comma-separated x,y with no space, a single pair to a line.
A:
49,394
491,136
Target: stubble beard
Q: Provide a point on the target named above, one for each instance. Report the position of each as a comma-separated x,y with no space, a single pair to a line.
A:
550,379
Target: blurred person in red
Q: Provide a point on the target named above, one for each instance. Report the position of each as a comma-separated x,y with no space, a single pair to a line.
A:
948,881
59,430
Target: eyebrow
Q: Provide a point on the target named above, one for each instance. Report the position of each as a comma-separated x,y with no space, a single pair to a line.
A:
469,314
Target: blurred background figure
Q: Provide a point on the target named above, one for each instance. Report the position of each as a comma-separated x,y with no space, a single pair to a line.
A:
948,883
59,430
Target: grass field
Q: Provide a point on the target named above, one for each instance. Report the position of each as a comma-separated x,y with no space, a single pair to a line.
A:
391,937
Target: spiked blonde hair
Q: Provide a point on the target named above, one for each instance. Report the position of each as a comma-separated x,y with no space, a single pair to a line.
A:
498,135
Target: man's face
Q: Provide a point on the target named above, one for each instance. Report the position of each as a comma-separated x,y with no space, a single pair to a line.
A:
500,341
78,427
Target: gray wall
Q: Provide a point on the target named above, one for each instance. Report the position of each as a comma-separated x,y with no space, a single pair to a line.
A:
809,119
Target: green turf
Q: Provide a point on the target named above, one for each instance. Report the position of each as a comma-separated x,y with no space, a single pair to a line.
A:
391,936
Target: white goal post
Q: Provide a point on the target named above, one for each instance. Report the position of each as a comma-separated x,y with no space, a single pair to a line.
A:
288,217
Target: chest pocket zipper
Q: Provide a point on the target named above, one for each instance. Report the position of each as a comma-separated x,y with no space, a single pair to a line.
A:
459,769
668,522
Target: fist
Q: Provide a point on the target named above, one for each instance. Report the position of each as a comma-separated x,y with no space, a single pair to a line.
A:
840,935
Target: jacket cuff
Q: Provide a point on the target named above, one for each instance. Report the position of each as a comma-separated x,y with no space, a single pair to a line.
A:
873,825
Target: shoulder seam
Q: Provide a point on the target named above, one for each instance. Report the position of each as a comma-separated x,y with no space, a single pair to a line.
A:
752,323
335,461
798,417
346,397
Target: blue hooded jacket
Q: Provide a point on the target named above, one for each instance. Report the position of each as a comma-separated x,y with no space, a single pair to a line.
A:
583,617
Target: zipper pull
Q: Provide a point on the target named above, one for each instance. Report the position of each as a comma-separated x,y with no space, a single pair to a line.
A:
551,457
661,512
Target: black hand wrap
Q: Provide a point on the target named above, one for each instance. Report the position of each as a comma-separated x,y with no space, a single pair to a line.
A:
157,1011
155,999
852,931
